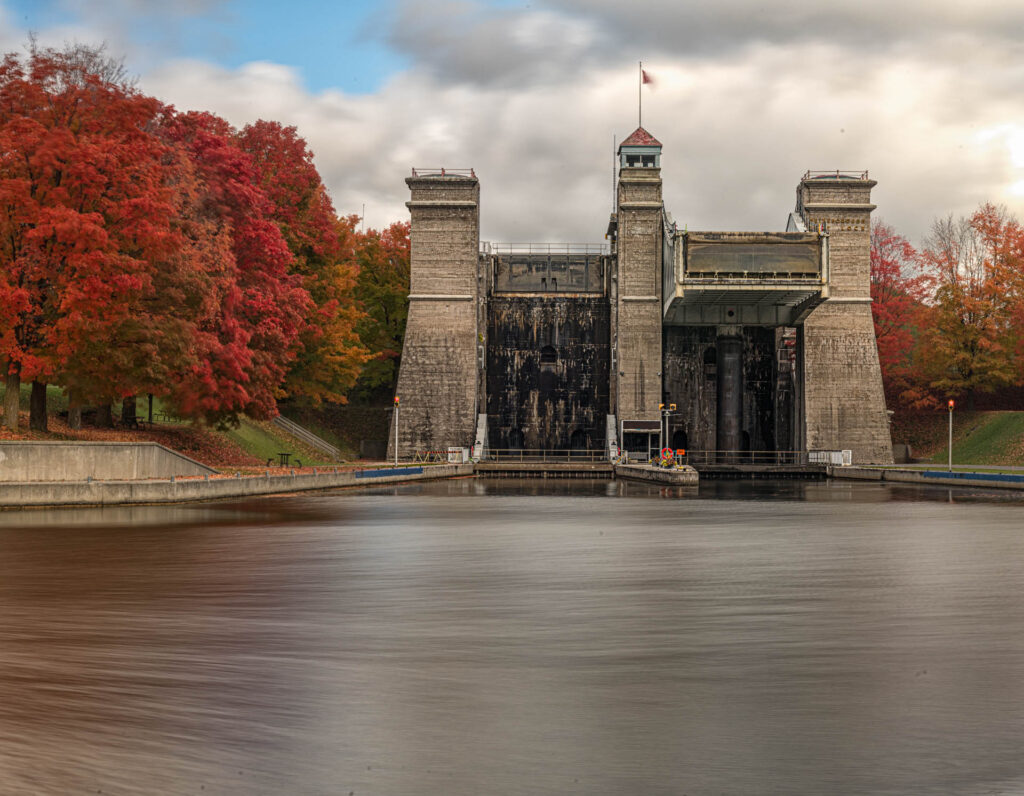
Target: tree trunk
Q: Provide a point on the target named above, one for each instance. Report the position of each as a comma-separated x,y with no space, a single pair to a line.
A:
12,395
74,411
151,408
37,419
104,416
128,411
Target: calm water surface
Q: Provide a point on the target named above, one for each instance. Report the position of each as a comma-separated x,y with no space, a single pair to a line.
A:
499,637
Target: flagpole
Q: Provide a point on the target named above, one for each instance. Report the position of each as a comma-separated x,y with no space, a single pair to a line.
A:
640,95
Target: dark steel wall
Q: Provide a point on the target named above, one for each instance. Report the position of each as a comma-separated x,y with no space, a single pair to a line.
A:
562,401
691,364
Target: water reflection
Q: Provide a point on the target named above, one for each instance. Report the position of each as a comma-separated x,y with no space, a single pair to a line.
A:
501,636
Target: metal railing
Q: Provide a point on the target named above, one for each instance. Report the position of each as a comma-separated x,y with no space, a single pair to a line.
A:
307,436
541,455
836,174
696,458
443,172
543,248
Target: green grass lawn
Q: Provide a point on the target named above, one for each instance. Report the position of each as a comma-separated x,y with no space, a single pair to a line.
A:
56,400
265,442
986,438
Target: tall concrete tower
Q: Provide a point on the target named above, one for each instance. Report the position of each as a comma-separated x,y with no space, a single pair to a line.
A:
639,250
437,381
844,401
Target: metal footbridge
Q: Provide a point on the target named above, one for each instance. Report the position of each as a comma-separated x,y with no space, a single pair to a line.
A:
744,278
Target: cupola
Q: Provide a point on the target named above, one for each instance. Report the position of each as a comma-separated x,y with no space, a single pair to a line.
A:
640,151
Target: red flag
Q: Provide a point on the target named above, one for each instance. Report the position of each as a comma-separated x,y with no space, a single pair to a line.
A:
646,78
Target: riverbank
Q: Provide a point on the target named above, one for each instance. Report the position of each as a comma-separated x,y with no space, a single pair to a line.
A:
39,494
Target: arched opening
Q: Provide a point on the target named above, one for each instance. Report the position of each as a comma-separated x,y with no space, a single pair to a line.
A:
548,355
578,440
679,439
515,439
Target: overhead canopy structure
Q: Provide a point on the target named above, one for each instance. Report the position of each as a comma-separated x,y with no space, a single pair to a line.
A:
745,278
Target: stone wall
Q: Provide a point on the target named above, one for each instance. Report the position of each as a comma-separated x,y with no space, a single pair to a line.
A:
638,299
844,401
437,381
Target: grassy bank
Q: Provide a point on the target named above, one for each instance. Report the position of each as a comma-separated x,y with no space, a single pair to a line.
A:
250,445
978,437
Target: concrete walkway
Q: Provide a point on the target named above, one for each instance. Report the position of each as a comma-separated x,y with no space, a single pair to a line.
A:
937,476
38,494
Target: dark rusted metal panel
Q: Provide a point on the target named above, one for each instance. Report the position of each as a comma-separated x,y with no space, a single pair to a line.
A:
692,369
547,372
753,258
729,415
580,273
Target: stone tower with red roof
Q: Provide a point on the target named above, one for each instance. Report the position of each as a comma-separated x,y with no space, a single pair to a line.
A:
636,324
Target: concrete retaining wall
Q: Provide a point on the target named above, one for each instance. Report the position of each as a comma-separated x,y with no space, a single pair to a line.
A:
76,461
115,492
937,477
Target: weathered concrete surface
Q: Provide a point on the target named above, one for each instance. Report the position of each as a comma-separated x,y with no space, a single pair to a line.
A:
937,477
547,372
104,493
675,476
639,251
692,369
437,380
28,460
843,398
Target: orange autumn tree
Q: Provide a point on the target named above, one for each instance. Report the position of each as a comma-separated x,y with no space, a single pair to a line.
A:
329,355
973,339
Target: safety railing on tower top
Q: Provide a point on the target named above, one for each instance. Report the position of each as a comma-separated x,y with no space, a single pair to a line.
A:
836,174
443,172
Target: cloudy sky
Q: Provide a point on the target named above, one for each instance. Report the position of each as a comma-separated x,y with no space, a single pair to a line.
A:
926,95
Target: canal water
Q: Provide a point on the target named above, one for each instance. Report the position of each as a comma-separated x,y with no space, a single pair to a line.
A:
510,637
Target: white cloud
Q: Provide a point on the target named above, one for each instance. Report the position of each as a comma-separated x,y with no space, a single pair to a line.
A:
532,98
738,134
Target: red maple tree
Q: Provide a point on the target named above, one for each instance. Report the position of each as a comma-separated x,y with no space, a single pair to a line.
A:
329,355
898,294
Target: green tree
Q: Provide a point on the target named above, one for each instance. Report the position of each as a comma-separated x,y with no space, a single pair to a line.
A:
383,292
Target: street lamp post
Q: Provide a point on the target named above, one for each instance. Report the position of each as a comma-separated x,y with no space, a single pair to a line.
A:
951,402
661,429
396,431
666,412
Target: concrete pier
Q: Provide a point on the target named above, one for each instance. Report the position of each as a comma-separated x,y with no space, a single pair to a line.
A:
671,476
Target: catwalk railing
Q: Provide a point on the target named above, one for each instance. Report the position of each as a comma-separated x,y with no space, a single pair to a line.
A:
698,458
539,455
